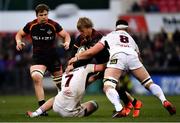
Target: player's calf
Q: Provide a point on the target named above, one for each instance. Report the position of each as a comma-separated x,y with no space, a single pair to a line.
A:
91,107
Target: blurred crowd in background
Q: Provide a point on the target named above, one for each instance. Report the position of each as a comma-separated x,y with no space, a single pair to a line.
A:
160,53
151,6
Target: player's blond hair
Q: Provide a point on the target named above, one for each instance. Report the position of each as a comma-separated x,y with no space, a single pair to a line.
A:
84,22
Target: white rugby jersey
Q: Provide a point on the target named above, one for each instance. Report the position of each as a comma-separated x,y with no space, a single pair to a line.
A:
120,41
73,87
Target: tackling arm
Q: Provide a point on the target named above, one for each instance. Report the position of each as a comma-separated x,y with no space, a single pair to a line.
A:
88,53
99,67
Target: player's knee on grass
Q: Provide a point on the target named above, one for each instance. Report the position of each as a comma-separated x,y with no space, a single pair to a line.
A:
91,107
109,83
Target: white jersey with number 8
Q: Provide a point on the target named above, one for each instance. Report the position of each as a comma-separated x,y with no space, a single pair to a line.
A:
123,50
120,41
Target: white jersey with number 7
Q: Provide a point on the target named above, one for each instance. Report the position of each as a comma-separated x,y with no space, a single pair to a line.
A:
73,87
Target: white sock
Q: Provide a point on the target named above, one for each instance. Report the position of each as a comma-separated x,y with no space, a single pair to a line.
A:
38,112
113,96
157,91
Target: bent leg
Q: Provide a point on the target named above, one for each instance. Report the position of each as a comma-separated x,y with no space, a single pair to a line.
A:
145,79
143,76
90,106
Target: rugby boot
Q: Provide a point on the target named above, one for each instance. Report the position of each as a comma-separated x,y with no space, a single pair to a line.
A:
120,114
137,108
170,108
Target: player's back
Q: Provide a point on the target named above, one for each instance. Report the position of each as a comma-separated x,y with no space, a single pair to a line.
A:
72,88
120,41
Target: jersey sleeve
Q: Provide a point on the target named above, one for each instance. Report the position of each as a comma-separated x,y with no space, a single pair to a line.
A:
136,48
77,42
90,68
26,28
103,40
58,28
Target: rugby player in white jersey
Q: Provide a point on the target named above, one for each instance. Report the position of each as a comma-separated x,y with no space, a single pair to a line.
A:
124,55
67,102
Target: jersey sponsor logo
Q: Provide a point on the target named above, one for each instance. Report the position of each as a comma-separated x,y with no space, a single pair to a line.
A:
49,32
113,61
67,92
45,38
42,29
124,45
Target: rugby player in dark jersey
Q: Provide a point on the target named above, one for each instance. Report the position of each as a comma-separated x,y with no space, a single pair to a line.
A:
43,32
89,37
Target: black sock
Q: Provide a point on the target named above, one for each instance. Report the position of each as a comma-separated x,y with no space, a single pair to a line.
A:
123,96
41,102
134,101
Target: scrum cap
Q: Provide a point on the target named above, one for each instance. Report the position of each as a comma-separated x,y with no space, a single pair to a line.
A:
121,24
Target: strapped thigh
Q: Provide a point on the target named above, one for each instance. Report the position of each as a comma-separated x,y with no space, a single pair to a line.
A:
37,72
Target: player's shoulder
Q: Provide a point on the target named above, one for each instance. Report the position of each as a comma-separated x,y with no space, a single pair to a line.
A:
110,33
80,40
32,22
97,33
52,22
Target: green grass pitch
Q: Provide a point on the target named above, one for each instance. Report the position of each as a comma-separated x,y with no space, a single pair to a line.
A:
13,108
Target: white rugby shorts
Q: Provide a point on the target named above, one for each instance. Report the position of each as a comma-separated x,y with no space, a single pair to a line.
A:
124,61
79,111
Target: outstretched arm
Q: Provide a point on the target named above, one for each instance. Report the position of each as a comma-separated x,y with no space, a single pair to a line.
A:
88,53
99,67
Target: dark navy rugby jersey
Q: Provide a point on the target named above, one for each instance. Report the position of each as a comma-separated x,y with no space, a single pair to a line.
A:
43,35
102,56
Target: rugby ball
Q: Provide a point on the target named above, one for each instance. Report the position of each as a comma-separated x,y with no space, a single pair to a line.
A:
81,49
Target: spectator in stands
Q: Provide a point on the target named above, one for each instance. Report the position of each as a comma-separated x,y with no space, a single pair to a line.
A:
176,37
